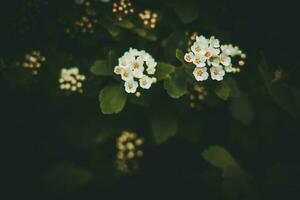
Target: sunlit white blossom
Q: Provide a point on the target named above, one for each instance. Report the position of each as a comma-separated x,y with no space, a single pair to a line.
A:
200,73
136,69
217,73
131,86
210,54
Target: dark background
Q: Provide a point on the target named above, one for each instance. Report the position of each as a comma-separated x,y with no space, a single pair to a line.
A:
32,112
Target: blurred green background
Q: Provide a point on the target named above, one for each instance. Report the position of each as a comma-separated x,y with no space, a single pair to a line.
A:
240,143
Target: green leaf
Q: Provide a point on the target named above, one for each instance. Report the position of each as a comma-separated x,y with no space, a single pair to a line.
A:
164,126
67,178
176,85
163,70
223,90
101,68
241,109
180,56
112,99
219,157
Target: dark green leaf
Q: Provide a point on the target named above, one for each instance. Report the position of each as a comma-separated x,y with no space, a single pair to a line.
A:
163,70
223,90
219,157
241,109
102,68
180,56
112,99
176,85
164,126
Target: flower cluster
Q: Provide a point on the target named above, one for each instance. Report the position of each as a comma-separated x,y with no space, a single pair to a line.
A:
71,80
87,22
122,9
136,68
149,18
197,94
128,149
33,61
209,53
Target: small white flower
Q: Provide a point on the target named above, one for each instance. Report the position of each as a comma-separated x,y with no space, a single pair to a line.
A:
202,41
213,42
214,61
197,48
151,70
118,70
228,68
217,73
189,57
225,59
151,63
124,61
211,52
134,52
127,74
131,86
146,82
199,60
200,73
138,73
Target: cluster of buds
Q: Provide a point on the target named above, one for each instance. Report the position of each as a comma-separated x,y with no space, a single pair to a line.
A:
87,22
71,80
122,9
149,18
208,54
33,61
191,39
196,95
234,51
128,150
136,68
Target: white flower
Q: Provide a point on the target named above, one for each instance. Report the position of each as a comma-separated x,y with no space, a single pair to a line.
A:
202,41
189,57
118,70
197,48
228,68
211,52
199,60
225,59
124,61
138,73
146,82
213,42
151,70
151,63
131,86
217,73
127,74
200,73
214,61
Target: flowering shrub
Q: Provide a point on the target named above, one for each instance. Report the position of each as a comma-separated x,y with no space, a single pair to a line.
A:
209,92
